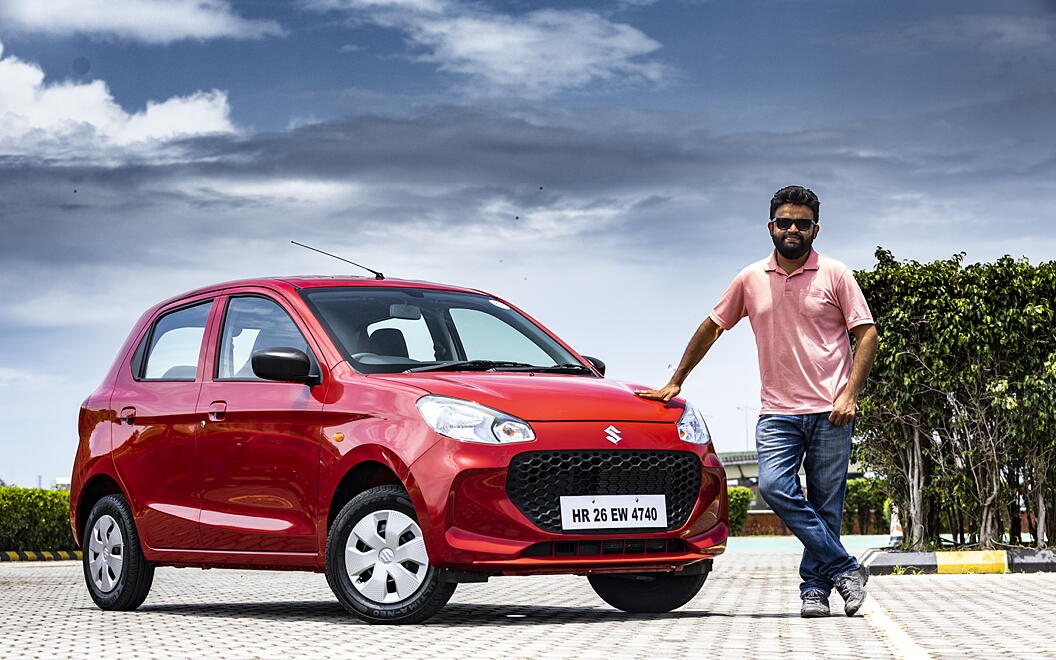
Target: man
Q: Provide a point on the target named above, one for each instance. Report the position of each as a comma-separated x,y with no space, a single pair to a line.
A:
801,306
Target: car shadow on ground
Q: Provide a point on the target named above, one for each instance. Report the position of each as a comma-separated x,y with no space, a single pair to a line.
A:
453,615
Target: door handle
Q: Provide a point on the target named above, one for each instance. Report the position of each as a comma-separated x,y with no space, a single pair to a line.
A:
217,409
128,414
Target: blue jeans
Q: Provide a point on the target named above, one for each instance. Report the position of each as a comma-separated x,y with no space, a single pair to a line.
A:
785,441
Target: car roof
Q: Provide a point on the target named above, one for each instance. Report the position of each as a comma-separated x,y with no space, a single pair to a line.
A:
294,282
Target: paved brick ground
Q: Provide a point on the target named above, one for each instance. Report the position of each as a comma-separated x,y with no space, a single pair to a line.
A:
748,608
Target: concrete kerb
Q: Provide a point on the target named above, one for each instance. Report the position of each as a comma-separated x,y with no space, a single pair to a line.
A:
882,561
41,555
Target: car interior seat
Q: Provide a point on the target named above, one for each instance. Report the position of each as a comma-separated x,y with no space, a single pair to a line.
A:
388,341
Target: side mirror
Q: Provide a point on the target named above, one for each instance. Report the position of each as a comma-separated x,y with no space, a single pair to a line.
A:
596,363
285,364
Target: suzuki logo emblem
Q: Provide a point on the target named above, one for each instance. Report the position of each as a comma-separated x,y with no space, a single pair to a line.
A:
613,435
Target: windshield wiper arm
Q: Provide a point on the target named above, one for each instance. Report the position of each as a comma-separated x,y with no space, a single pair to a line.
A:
469,365
555,368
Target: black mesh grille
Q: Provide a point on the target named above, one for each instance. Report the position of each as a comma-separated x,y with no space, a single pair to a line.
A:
606,547
537,479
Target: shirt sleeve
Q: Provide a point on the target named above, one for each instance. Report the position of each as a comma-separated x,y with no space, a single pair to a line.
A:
731,307
852,301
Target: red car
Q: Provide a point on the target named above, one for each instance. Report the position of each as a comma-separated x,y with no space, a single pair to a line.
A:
399,436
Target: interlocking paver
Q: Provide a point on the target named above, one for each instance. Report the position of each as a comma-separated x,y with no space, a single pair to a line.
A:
749,607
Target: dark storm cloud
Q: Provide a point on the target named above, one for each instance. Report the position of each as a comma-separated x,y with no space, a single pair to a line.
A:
447,166
456,145
442,166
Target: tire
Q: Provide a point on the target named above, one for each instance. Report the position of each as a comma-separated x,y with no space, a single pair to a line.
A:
364,566
117,574
647,593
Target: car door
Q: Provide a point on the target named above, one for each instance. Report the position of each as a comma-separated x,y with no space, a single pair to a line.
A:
259,444
156,424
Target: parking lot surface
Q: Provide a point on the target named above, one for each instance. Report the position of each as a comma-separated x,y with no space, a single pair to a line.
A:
748,608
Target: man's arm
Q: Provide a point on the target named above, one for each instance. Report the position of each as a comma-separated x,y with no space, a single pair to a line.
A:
698,346
846,404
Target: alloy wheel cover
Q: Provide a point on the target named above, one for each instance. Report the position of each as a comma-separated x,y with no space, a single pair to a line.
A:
385,556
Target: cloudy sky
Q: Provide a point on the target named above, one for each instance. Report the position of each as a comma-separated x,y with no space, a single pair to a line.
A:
606,165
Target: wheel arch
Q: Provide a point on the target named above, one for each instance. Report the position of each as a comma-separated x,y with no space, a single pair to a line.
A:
98,486
363,474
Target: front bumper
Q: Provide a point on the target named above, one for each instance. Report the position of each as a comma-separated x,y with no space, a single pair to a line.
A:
471,524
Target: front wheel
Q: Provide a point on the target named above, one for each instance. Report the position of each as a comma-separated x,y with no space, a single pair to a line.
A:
647,593
376,561
117,574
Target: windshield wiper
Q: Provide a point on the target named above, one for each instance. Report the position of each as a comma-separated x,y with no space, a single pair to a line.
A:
557,369
470,365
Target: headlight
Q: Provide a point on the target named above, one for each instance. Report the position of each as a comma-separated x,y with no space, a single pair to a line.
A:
691,427
472,422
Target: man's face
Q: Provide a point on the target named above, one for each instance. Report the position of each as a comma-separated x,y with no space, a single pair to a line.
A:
792,243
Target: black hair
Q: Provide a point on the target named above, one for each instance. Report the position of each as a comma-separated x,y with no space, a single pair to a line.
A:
795,195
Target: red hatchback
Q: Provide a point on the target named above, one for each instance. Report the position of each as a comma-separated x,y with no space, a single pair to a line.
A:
401,436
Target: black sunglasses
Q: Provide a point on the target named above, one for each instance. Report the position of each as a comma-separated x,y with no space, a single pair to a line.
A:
784,224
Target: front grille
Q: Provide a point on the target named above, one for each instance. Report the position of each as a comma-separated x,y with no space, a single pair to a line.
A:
606,547
537,479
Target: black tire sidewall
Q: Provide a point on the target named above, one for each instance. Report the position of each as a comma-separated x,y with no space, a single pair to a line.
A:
430,596
136,574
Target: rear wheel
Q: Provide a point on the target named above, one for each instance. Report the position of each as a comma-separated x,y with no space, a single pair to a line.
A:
647,593
117,574
376,561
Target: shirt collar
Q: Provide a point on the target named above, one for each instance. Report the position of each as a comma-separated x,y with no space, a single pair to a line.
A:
810,264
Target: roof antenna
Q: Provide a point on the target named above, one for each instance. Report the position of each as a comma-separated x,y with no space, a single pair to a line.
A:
377,275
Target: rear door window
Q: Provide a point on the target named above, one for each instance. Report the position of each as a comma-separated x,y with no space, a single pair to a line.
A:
175,343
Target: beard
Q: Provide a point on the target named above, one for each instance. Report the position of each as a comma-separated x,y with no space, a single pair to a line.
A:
792,250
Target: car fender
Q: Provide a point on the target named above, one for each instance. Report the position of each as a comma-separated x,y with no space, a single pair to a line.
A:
357,456
96,478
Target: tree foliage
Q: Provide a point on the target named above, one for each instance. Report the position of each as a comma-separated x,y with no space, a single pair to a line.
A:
958,416
864,510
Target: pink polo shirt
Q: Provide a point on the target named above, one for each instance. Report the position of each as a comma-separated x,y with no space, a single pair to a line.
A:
800,322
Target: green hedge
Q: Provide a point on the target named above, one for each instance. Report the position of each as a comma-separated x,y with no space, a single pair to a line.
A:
739,500
35,519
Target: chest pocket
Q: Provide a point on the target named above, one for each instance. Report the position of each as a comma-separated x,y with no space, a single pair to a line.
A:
816,304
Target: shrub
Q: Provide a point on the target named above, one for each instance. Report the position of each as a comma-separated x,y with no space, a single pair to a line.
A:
865,505
35,519
739,499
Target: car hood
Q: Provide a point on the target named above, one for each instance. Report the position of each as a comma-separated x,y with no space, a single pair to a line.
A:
547,397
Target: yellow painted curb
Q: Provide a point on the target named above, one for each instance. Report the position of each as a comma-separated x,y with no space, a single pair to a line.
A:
972,561
41,555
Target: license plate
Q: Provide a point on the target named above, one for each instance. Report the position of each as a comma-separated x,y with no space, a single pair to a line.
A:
613,511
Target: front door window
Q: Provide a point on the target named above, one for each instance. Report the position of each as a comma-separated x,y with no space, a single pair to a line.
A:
254,324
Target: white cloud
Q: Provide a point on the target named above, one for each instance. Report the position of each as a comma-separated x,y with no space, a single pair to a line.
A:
989,31
9,377
435,6
71,119
152,21
534,54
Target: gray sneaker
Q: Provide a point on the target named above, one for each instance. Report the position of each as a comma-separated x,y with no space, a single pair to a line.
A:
850,586
815,604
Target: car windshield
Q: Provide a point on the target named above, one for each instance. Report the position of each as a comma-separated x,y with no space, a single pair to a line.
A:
392,330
